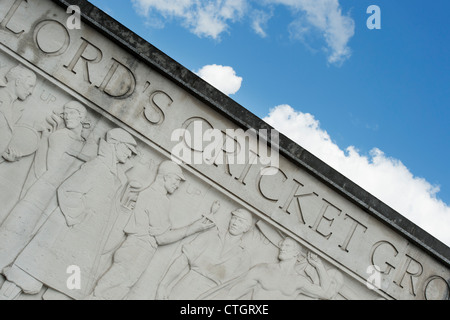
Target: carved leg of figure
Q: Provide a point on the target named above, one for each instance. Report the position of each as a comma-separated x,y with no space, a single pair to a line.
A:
130,261
17,230
9,291
23,280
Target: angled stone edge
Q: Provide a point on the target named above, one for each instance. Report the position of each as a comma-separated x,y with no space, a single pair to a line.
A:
168,67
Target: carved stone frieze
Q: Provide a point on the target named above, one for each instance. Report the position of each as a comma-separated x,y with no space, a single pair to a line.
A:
94,205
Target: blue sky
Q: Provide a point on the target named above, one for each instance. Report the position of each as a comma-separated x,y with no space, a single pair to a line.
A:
374,104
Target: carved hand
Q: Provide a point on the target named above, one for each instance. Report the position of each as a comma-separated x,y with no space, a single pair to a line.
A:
214,209
11,155
314,260
202,225
54,122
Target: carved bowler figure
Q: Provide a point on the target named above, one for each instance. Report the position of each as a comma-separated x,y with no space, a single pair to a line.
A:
148,228
77,231
20,85
208,261
55,161
281,281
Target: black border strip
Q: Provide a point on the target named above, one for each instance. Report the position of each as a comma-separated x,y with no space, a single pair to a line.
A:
189,81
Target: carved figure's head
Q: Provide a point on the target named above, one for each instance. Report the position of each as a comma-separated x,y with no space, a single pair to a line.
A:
74,114
125,145
241,222
289,248
171,174
22,81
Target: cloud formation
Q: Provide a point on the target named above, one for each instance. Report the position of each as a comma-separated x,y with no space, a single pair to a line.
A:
325,17
223,78
203,18
214,17
386,178
259,22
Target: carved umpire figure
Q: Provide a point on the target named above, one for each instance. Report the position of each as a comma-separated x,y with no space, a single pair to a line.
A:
76,232
208,261
57,158
149,227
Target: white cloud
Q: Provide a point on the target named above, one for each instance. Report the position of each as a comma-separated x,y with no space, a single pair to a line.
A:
222,77
214,17
386,178
203,18
260,19
324,16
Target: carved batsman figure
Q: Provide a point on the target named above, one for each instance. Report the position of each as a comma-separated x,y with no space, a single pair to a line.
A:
148,228
75,234
282,281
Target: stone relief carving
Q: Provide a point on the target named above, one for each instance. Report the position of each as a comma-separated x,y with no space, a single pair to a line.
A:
17,140
66,200
284,280
148,228
20,83
78,229
76,207
209,260
59,155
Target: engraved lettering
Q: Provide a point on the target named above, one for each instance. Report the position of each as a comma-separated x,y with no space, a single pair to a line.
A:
51,37
146,86
213,149
85,48
47,97
10,14
322,216
353,228
224,159
119,82
248,165
293,195
383,248
229,149
436,288
411,269
263,191
159,100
